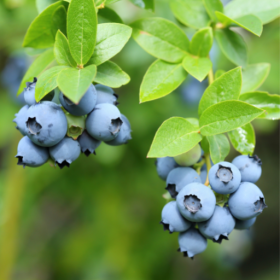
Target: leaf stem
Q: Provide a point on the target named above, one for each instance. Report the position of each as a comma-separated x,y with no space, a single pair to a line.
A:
208,165
211,77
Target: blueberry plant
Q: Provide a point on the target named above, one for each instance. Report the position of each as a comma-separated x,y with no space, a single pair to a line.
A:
70,104
212,196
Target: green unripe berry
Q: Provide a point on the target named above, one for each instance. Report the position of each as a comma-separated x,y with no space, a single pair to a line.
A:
189,158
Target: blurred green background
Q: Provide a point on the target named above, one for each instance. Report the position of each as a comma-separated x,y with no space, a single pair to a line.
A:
99,219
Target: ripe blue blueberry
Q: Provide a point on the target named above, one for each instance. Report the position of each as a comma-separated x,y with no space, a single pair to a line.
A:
164,166
224,178
20,120
124,134
106,95
247,202
29,154
88,144
245,224
65,152
29,92
196,202
191,242
219,226
104,122
84,107
172,219
46,124
178,178
249,167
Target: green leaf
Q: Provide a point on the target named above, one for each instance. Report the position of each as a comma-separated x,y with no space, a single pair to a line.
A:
160,79
219,147
219,73
144,4
62,52
249,22
226,116
205,145
265,101
59,20
161,38
184,137
226,87
266,11
111,38
243,139
109,15
37,67
198,67
253,76
194,122
75,82
211,6
47,82
81,29
43,4
111,75
40,38
190,12
233,46
201,42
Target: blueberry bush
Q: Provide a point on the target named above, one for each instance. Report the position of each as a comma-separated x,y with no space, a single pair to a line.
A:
210,51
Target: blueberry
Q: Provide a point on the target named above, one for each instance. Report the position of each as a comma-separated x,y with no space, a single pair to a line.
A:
219,226
224,177
88,144
106,95
84,107
189,158
245,224
104,122
29,92
65,152
172,219
20,120
124,134
249,167
30,154
191,242
46,124
180,177
196,202
164,166
247,202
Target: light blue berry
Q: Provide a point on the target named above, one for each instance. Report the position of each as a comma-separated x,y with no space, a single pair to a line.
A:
106,95
29,92
88,144
20,120
164,166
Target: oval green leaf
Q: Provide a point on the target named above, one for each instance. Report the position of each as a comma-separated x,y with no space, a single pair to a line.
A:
198,67
249,22
62,51
160,79
190,12
111,75
184,137
211,6
201,42
161,38
270,103
219,147
226,87
41,38
111,38
109,15
75,82
253,76
226,116
243,139
47,82
233,46
81,29
37,67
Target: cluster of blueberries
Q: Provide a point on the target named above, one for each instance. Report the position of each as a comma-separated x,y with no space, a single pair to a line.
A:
47,128
196,214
